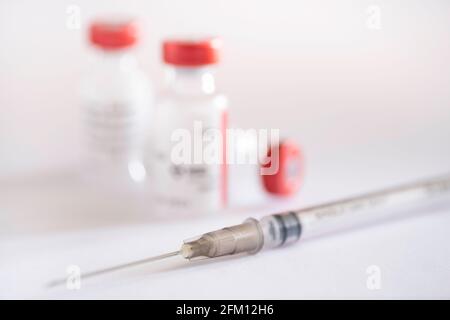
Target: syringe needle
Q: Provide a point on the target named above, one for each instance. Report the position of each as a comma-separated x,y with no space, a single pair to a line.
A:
129,264
117,267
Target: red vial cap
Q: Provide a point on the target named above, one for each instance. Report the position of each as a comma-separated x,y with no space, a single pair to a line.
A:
288,178
192,52
112,35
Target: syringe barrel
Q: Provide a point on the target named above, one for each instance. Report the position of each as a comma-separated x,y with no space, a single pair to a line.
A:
280,229
352,212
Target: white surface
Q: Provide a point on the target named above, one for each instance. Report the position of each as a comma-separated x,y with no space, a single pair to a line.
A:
370,108
412,256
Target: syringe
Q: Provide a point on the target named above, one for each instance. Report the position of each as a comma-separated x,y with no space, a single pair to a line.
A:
279,229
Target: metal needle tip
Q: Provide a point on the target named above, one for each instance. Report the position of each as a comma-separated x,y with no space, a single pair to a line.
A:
116,268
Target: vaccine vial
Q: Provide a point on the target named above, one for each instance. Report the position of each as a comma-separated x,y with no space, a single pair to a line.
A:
188,152
117,101
274,169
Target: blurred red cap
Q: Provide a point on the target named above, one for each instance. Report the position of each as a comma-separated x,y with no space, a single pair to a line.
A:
192,52
288,178
113,34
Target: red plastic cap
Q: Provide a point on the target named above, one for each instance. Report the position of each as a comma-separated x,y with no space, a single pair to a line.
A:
192,52
111,35
288,178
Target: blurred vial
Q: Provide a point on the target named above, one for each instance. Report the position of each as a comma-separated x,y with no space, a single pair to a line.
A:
117,100
250,185
187,156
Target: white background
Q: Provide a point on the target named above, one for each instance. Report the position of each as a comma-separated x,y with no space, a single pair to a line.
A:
370,108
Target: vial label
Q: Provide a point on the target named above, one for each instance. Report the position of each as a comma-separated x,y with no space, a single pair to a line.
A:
188,163
114,129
